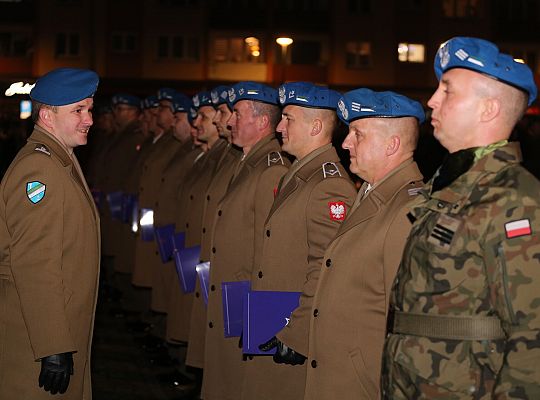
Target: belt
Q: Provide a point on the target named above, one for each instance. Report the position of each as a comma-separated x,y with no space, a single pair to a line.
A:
448,326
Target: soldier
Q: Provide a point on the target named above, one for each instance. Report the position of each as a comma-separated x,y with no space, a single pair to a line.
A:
348,319
49,248
297,231
464,301
239,218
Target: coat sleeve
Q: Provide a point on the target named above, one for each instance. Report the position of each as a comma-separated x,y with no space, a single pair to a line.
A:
36,253
321,228
513,268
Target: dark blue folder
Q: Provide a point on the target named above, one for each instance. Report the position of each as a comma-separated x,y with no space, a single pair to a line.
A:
203,273
115,204
265,314
146,223
186,260
98,196
232,295
164,241
178,240
128,203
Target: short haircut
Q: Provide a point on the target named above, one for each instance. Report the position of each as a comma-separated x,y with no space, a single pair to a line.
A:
272,111
36,106
329,118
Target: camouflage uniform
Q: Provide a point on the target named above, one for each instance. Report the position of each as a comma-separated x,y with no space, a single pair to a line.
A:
462,259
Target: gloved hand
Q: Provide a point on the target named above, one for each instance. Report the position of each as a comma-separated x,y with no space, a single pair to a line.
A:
283,354
56,371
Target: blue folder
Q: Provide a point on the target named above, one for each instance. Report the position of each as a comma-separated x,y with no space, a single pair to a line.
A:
146,223
98,196
177,241
186,260
164,241
128,203
115,204
265,314
232,295
203,273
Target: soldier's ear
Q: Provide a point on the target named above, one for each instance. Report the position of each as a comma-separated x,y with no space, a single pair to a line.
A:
263,122
491,108
316,127
392,145
46,117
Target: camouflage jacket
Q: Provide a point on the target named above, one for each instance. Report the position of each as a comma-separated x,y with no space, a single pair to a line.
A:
486,263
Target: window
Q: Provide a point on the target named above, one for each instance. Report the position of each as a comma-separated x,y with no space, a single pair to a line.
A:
358,54
306,52
67,45
461,8
411,52
185,48
122,42
14,44
237,50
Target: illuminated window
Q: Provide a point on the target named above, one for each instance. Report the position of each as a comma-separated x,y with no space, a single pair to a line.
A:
461,8
67,45
14,44
237,50
123,42
185,48
358,54
411,52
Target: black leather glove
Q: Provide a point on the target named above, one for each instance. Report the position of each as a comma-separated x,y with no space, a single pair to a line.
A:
55,372
283,354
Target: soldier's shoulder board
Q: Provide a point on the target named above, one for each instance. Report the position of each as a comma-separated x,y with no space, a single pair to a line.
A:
42,149
330,170
274,157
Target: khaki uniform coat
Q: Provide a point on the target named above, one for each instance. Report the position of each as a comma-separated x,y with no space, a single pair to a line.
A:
49,266
191,207
146,257
216,190
295,236
348,320
235,243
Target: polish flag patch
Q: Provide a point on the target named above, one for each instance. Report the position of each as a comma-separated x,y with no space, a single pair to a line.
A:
514,229
337,210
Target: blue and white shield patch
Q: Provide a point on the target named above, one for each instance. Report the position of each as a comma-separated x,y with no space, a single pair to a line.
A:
35,191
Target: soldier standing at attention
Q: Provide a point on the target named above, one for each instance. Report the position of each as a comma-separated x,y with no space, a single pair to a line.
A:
239,220
465,299
297,231
49,248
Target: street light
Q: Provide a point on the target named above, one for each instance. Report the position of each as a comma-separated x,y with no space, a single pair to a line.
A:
284,42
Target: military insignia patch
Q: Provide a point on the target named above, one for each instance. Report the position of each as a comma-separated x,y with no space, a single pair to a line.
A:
330,169
444,231
35,191
274,157
337,210
42,149
518,228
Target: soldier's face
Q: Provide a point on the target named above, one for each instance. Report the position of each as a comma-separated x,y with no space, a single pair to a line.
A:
457,109
70,124
205,128
182,127
243,124
366,143
223,113
165,116
295,131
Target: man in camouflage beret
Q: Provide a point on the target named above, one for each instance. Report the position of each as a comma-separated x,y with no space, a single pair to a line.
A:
464,319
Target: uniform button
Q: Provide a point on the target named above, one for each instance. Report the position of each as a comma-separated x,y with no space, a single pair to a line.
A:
250,357
213,288
208,197
162,179
440,205
313,364
203,230
197,294
219,213
315,312
141,189
191,197
210,325
260,274
328,263
268,232
187,224
213,250
157,253
157,203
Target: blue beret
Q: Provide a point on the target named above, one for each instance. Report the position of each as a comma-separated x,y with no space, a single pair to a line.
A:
63,86
192,114
150,102
365,103
126,99
482,56
166,94
181,103
202,99
220,95
307,94
253,91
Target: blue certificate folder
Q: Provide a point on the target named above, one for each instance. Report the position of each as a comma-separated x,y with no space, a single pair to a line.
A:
265,314
164,235
232,295
129,203
186,261
115,204
177,241
203,273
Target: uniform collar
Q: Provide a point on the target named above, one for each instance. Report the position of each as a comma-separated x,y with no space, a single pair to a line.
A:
41,136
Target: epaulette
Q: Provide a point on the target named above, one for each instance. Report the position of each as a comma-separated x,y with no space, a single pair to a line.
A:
330,169
274,157
42,149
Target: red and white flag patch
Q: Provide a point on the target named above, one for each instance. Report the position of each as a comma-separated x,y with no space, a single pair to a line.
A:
514,229
337,210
